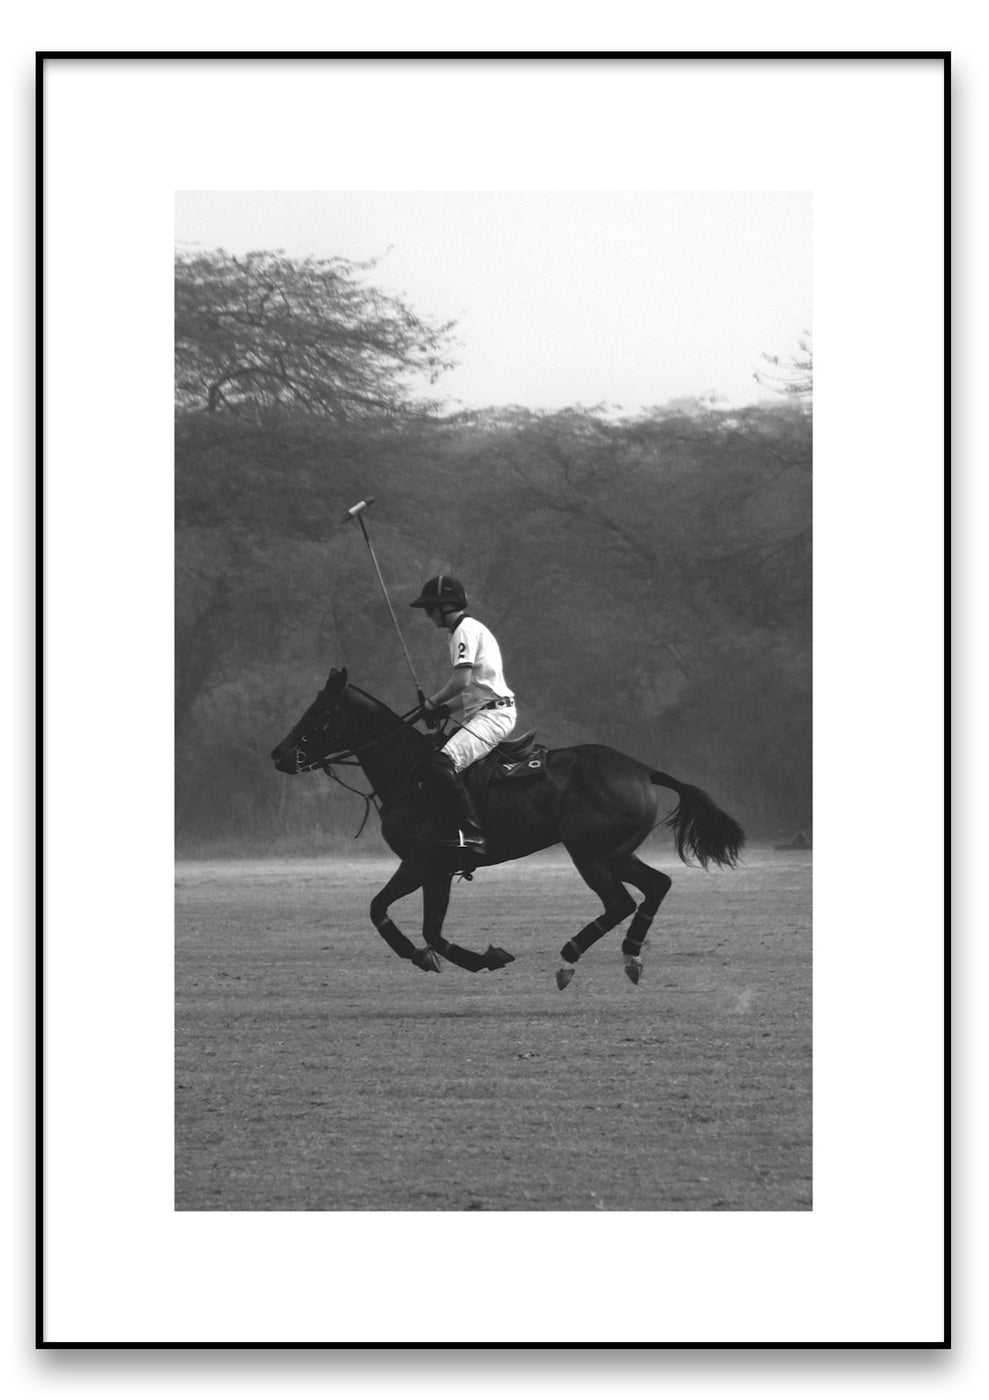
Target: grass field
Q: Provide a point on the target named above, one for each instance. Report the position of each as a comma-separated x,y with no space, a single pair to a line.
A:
315,1070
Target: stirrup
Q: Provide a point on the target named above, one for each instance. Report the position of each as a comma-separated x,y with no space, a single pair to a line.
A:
472,845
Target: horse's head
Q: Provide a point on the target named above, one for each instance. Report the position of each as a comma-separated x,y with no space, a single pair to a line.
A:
325,728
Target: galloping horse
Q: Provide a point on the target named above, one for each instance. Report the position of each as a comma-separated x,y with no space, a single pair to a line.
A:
600,804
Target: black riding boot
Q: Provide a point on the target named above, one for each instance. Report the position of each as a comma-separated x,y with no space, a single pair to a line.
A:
457,803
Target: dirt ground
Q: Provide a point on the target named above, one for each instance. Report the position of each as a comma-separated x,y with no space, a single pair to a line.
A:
315,1070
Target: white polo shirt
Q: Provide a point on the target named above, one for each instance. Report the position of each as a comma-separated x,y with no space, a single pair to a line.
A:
471,644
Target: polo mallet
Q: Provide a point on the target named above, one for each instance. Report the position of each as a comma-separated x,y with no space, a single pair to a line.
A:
357,513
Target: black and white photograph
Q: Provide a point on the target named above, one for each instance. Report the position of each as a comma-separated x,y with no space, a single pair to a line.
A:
543,556
507,555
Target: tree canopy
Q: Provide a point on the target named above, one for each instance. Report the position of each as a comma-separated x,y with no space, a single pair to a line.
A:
266,331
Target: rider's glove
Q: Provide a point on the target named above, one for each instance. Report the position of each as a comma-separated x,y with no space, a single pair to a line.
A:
434,715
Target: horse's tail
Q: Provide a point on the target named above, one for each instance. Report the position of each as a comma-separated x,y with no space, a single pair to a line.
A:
700,828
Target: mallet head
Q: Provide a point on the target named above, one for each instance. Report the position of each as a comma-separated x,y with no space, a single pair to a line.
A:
356,510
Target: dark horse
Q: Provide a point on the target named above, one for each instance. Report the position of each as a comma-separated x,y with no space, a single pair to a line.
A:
598,803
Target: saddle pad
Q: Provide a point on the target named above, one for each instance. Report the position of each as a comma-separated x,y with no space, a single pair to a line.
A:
532,765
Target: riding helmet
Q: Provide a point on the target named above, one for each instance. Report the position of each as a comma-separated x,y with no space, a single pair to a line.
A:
442,589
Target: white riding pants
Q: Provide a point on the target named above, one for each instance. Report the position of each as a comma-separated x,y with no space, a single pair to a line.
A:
481,732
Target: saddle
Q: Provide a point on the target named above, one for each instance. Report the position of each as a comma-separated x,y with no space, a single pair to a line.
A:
513,760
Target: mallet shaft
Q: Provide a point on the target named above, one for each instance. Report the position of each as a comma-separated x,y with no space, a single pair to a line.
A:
356,513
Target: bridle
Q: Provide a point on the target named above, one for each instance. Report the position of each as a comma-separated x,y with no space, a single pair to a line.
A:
351,754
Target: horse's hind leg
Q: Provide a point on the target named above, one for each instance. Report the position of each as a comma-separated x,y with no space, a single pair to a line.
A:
654,886
618,904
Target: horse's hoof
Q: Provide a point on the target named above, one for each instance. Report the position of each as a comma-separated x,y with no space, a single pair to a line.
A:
494,958
426,959
633,968
563,977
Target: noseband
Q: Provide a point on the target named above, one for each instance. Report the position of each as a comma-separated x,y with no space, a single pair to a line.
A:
350,754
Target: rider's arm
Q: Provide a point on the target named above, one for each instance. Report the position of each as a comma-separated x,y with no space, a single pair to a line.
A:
456,685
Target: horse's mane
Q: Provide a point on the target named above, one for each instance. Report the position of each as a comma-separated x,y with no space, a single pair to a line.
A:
370,701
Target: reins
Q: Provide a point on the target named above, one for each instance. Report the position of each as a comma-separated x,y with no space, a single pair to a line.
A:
350,756
370,798
352,751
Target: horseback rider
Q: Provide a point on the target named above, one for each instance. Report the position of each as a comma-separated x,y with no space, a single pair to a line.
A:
476,696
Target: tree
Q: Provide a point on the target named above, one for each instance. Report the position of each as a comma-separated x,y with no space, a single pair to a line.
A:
266,332
794,374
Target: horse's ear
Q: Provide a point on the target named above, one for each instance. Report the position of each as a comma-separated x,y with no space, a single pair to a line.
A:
336,681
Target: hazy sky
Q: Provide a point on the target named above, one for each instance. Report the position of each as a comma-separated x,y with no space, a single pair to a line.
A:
628,299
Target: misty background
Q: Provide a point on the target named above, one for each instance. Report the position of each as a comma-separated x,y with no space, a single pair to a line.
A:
595,410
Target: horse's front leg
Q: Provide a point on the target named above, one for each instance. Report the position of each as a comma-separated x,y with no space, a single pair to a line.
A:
408,878
435,902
